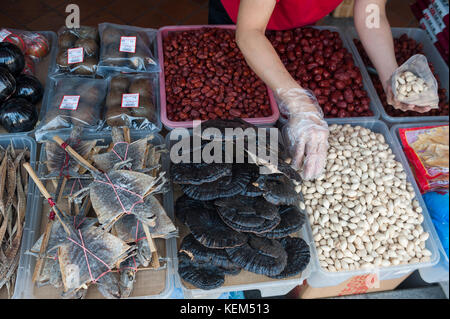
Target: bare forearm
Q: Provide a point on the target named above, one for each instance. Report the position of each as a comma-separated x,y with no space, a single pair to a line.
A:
377,42
263,59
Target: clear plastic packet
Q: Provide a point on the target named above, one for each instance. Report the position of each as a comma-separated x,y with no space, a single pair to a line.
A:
414,83
32,44
78,51
427,150
131,101
72,101
127,49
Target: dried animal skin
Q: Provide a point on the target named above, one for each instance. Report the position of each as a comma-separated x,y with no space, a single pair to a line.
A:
278,189
121,192
298,257
292,220
50,274
127,271
201,254
248,214
101,252
123,151
260,255
196,174
201,275
109,286
209,229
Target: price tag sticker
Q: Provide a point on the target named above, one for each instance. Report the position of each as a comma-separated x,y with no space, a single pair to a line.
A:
4,34
130,100
75,55
127,44
70,102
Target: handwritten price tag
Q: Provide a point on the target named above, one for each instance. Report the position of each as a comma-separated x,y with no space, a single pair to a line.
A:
70,102
128,44
75,55
130,100
4,34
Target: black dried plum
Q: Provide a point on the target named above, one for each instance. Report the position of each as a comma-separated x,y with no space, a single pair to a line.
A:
298,257
226,186
202,254
248,214
209,229
278,189
201,275
292,220
196,174
260,255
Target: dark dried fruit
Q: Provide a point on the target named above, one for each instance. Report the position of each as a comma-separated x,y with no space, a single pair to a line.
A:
260,255
292,220
298,257
248,214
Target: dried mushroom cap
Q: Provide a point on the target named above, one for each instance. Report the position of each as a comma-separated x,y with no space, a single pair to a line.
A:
186,205
224,187
260,255
248,214
209,229
202,254
298,257
202,275
292,220
196,174
123,151
278,189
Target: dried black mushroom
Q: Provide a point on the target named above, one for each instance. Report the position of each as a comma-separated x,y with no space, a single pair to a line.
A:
186,205
202,254
260,255
196,174
209,229
202,275
226,186
278,189
298,256
248,214
292,220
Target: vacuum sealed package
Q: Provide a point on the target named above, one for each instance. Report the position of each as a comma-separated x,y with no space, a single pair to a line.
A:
414,83
127,49
32,44
131,101
73,101
78,51
427,150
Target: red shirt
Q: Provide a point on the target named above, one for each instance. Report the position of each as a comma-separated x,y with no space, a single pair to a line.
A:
289,14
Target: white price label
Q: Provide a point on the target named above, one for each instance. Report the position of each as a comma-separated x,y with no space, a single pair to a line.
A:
4,34
75,55
70,102
130,100
128,44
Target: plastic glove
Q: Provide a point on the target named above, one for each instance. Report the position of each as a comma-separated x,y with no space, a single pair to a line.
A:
400,105
306,131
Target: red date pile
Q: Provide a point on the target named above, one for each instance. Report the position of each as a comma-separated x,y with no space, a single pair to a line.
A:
207,77
405,48
318,61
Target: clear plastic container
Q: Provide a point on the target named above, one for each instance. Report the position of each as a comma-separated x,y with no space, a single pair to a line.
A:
322,278
245,280
162,33
432,55
42,69
145,286
440,271
20,142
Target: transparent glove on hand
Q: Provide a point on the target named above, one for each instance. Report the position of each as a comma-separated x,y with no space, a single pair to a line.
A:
306,131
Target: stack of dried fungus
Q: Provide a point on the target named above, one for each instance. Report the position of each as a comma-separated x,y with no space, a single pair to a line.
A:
238,218
13,190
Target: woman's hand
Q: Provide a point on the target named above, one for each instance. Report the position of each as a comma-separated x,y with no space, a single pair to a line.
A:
306,132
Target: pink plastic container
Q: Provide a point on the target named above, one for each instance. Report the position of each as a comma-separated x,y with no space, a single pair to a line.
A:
162,33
